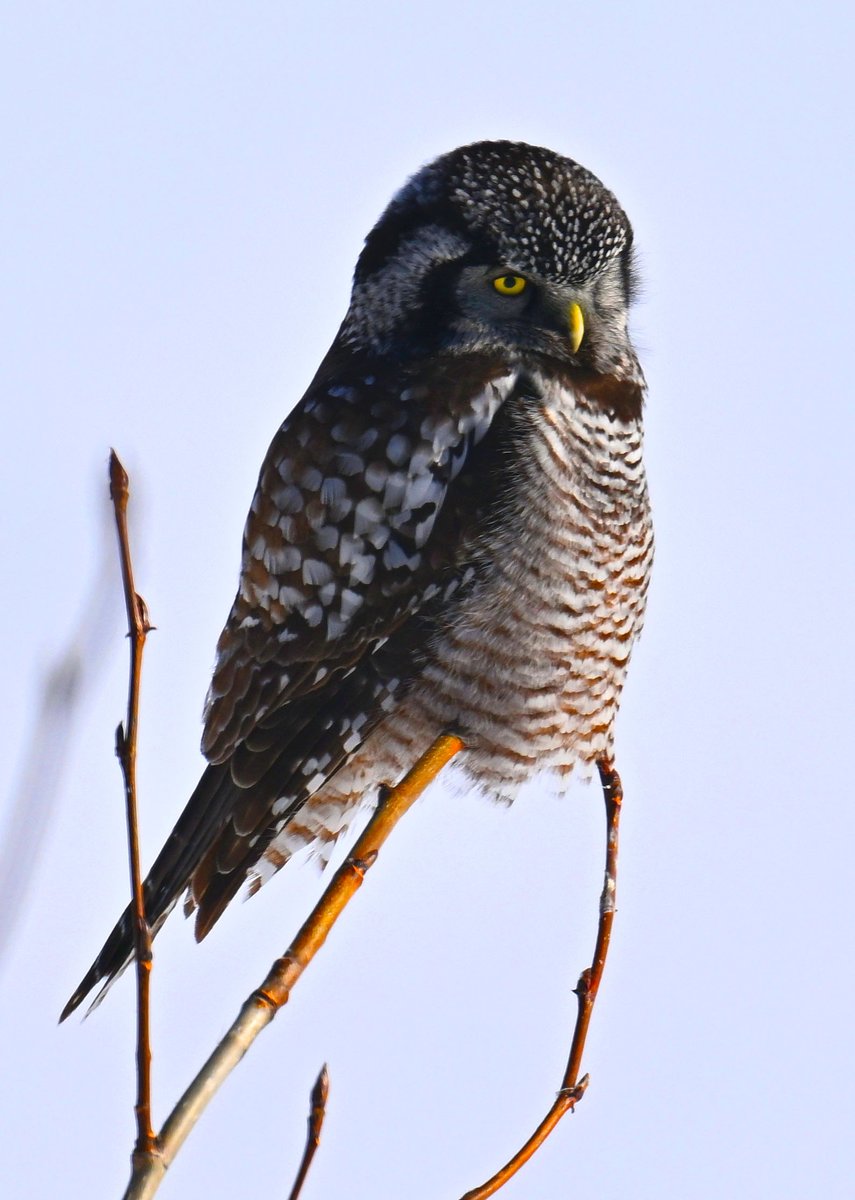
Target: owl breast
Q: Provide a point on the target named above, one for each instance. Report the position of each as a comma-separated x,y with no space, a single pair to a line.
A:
529,662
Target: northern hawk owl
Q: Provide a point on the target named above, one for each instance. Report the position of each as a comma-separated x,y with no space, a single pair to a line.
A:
450,531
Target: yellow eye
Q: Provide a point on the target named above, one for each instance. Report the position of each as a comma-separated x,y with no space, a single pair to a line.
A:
510,285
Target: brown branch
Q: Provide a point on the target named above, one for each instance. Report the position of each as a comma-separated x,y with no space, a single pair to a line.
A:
262,1005
572,1087
317,1112
126,750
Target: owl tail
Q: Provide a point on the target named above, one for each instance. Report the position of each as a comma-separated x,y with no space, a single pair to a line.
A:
229,821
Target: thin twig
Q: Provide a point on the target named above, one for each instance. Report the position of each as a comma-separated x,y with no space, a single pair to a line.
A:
317,1112
262,1005
572,1087
126,750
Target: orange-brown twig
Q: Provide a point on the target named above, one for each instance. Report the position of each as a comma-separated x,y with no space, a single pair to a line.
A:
317,1112
395,802
263,1004
572,1087
126,750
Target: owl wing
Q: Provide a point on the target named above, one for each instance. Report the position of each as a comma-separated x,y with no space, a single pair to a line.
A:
339,546
356,525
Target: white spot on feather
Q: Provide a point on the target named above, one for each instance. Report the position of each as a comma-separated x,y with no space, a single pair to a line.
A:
316,572
368,513
398,449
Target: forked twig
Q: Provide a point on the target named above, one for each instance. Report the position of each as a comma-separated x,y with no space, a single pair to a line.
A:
126,751
317,1112
572,1087
262,1005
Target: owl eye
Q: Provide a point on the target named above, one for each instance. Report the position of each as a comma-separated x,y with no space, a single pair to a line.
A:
510,285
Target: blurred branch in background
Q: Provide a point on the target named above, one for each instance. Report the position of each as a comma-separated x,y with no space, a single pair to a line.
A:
45,753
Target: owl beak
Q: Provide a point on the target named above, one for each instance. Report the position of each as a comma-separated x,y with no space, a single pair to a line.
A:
576,322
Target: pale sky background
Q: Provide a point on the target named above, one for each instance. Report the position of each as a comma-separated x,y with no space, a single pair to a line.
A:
186,190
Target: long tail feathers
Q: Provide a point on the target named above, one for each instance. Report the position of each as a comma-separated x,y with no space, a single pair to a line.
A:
230,819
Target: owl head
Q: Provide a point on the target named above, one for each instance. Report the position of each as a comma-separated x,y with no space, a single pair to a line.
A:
498,247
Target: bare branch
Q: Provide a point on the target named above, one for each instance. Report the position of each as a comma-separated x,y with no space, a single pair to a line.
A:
261,1007
317,1112
572,1087
126,751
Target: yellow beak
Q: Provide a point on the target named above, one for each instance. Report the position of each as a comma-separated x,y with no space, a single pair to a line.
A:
577,327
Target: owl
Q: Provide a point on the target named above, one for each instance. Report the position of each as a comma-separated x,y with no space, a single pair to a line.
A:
450,531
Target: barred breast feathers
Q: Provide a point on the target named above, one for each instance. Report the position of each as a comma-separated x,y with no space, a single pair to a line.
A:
530,663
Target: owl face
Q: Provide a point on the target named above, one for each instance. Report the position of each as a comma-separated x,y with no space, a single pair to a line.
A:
502,247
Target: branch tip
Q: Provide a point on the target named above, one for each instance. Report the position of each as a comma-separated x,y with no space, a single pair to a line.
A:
119,481
317,1112
321,1090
